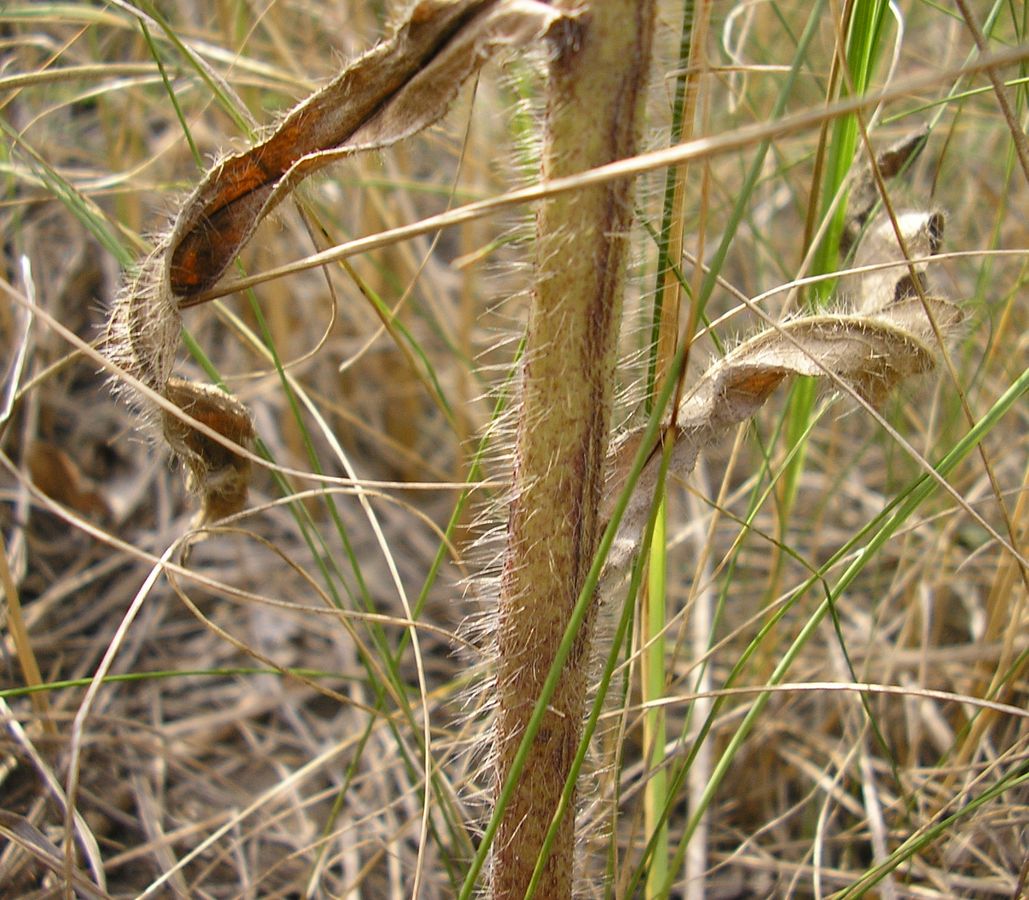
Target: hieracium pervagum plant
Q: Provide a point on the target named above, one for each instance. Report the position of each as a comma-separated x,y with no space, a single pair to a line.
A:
571,482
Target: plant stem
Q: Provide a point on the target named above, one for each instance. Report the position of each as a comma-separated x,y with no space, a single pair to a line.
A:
596,84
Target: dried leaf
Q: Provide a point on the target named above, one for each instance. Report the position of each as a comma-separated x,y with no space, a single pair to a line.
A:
864,193
890,338
60,478
917,234
395,90
871,353
218,474
922,234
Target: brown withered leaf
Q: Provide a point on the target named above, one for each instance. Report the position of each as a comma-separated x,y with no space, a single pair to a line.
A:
396,89
392,92
864,193
891,337
870,353
219,475
60,478
922,234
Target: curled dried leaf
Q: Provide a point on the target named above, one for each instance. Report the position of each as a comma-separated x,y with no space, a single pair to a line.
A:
915,234
396,89
142,333
864,193
891,337
870,353
921,234
217,473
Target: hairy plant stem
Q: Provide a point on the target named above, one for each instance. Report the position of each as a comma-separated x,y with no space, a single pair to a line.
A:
596,84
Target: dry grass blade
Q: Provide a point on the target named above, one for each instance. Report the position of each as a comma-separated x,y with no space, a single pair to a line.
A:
813,678
21,833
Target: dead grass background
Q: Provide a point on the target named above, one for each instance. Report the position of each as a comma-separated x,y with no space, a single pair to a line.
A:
222,779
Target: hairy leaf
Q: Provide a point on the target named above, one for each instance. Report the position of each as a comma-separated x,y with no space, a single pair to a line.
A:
395,90
392,92
871,351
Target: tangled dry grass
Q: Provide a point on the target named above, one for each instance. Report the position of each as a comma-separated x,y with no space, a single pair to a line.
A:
199,768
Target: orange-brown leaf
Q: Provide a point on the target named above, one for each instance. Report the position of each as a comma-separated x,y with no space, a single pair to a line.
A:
395,90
